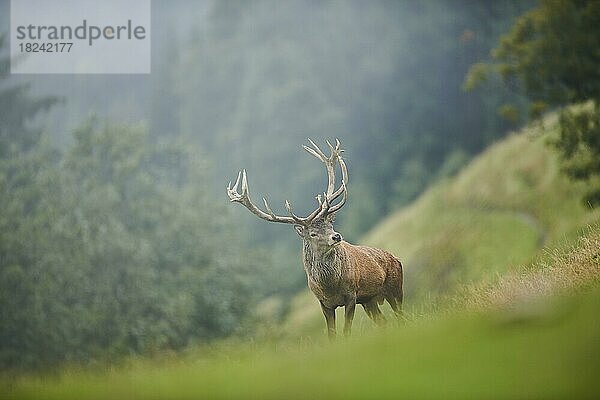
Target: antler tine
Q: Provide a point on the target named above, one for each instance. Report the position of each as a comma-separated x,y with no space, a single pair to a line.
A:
244,199
335,150
288,207
328,161
237,182
344,169
322,155
269,209
324,210
311,151
323,205
244,182
339,205
331,147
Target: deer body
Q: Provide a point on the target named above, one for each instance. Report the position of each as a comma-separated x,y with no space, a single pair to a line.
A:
352,271
351,275
339,274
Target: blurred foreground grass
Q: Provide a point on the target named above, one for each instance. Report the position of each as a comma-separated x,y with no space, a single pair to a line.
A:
552,353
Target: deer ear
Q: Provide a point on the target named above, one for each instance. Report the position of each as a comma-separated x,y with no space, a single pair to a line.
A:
299,230
331,218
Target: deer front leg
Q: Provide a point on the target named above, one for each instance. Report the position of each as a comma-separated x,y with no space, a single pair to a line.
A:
349,315
329,314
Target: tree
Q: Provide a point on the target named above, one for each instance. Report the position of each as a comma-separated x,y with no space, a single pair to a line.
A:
113,247
552,54
116,249
28,169
17,108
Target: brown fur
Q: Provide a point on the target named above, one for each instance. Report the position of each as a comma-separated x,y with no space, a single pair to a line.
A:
362,275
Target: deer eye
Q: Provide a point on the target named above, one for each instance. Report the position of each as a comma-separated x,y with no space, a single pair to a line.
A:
312,234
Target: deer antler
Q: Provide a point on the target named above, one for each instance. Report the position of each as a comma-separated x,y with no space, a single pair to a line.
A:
325,204
336,155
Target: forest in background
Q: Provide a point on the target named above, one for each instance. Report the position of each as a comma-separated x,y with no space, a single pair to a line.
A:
247,84
120,218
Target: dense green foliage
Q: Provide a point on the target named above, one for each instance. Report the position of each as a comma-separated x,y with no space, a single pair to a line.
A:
113,248
16,106
579,144
552,54
104,254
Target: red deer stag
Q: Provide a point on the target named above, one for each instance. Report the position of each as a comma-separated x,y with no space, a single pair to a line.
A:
339,273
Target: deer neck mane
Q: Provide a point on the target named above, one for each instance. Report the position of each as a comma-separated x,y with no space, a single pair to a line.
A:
323,267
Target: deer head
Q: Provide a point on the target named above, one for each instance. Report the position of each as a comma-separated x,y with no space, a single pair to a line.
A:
317,227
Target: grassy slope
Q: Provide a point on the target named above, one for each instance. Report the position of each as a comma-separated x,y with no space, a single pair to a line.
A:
498,213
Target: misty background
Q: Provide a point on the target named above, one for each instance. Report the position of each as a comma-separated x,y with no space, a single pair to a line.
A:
118,236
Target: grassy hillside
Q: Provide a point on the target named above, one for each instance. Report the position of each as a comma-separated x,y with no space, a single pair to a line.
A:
547,348
505,206
500,212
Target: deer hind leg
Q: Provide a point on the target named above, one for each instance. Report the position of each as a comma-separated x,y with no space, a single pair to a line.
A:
349,315
396,304
329,314
373,311
393,295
